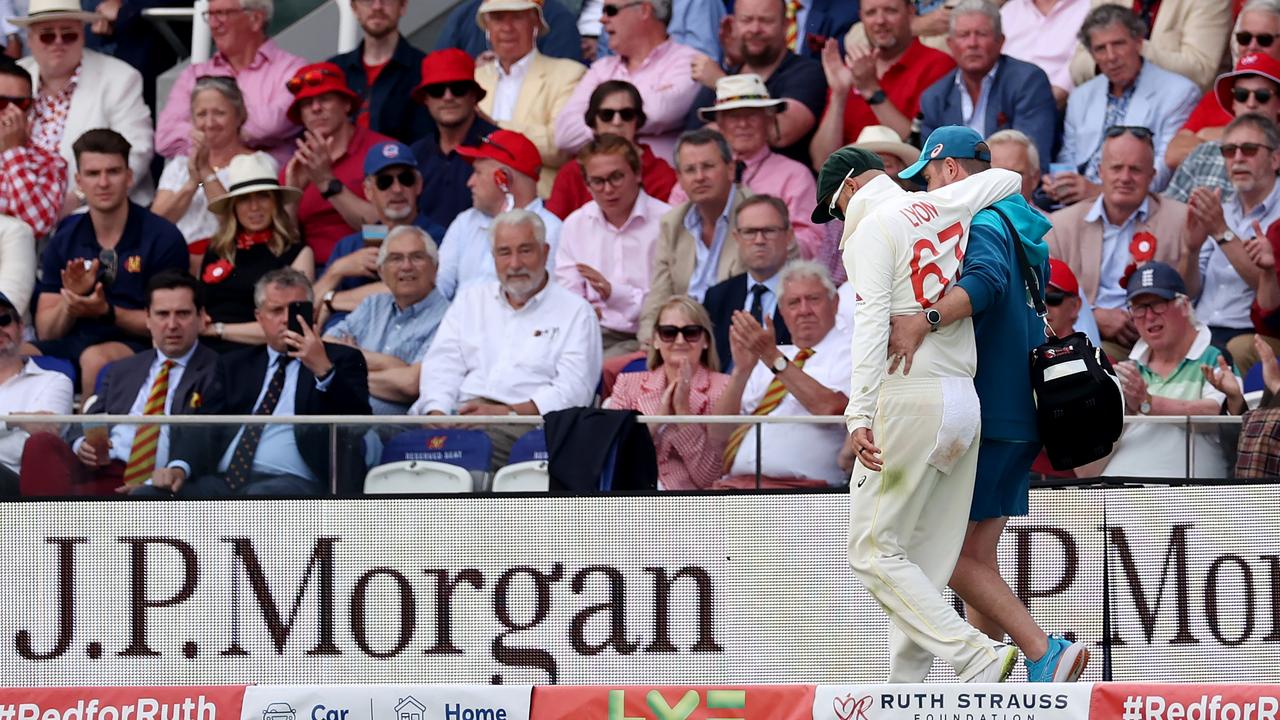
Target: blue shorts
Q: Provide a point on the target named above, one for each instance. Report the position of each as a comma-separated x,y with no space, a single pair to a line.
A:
1004,477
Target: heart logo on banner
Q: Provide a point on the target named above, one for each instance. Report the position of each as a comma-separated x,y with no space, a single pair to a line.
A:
849,707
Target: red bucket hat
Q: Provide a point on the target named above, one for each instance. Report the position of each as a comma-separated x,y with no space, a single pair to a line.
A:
315,80
447,66
509,148
1259,64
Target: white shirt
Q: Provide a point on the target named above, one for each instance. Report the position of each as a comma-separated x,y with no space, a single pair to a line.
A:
197,223
508,89
33,389
805,451
887,231
1115,251
547,351
975,114
122,435
466,253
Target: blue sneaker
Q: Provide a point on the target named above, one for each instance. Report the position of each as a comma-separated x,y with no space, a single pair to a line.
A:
1063,662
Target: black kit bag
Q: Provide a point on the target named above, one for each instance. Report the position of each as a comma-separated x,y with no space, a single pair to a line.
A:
1079,401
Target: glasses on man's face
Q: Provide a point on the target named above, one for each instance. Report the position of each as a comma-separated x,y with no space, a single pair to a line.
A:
691,333
623,114
6,319
406,178
1241,95
221,15
1054,297
1140,310
310,78
833,206
458,89
769,232
1137,131
50,37
613,10
22,103
1247,149
417,258
1264,39
614,181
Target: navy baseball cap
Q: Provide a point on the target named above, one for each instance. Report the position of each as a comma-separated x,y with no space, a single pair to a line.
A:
1156,278
384,155
950,141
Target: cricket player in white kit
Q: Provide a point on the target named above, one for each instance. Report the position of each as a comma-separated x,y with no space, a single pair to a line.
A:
911,494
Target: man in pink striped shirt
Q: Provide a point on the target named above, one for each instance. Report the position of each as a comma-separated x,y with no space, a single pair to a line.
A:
607,246
261,69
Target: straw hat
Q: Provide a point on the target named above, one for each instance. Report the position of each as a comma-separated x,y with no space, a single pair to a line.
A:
740,91
250,174
489,6
46,10
884,139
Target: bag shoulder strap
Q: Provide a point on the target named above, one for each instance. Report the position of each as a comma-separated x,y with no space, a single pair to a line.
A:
1029,276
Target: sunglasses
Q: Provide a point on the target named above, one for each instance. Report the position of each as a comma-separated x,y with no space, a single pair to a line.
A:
6,319
1053,297
310,78
1247,149
613,10
1137,131
836,212
68,37
406,178
1242,94
108,264
460,88
1264,39
623,114
691,333
22,103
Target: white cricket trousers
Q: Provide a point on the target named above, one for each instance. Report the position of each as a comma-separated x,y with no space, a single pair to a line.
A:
908,522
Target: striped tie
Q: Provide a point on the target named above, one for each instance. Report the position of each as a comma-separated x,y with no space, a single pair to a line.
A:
793,27
772,399
142,456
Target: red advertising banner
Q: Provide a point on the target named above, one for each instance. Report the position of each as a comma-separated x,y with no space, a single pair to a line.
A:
214,702
1130,701
674,702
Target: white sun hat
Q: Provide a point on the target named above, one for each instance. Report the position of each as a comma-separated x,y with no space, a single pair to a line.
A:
740,91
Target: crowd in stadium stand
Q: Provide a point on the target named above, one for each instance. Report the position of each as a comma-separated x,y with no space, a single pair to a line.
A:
575,203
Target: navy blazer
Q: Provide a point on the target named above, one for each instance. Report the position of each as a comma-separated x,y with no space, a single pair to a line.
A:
1020,99
391,111
720,301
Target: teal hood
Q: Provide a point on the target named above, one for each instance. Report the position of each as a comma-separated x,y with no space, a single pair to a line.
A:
1030,224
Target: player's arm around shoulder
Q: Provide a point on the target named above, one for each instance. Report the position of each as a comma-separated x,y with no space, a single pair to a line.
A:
981,189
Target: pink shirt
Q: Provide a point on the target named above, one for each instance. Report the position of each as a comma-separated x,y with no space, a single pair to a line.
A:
265,96
623,255
687,458
768,173
1046,41
666,87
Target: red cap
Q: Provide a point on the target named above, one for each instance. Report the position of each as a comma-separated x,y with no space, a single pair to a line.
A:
1252,64
446,66
314,80
1061,277
509,148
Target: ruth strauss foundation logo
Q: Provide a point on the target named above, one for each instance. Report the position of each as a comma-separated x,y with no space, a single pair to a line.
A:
850,707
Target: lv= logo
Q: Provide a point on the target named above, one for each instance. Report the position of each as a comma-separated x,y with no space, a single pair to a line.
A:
851,708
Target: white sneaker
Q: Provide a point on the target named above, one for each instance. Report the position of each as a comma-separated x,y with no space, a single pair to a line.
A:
997,671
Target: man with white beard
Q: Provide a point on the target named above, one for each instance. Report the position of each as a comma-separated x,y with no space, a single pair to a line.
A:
517,346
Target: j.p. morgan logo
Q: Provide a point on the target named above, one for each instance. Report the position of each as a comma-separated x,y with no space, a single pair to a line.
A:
606,607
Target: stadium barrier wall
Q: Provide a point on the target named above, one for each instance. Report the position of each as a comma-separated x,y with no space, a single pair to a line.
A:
1080,701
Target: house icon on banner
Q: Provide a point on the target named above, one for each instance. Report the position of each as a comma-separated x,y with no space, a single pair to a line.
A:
410,709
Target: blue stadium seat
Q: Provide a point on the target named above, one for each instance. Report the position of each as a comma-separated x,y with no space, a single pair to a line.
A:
53,364
1253,381
637,365
465,448
530,446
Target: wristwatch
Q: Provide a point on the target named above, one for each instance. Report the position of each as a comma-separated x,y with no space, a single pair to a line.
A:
333,187
935,319
1227,237
1145,407
327,299
779,364
876,98
220,329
